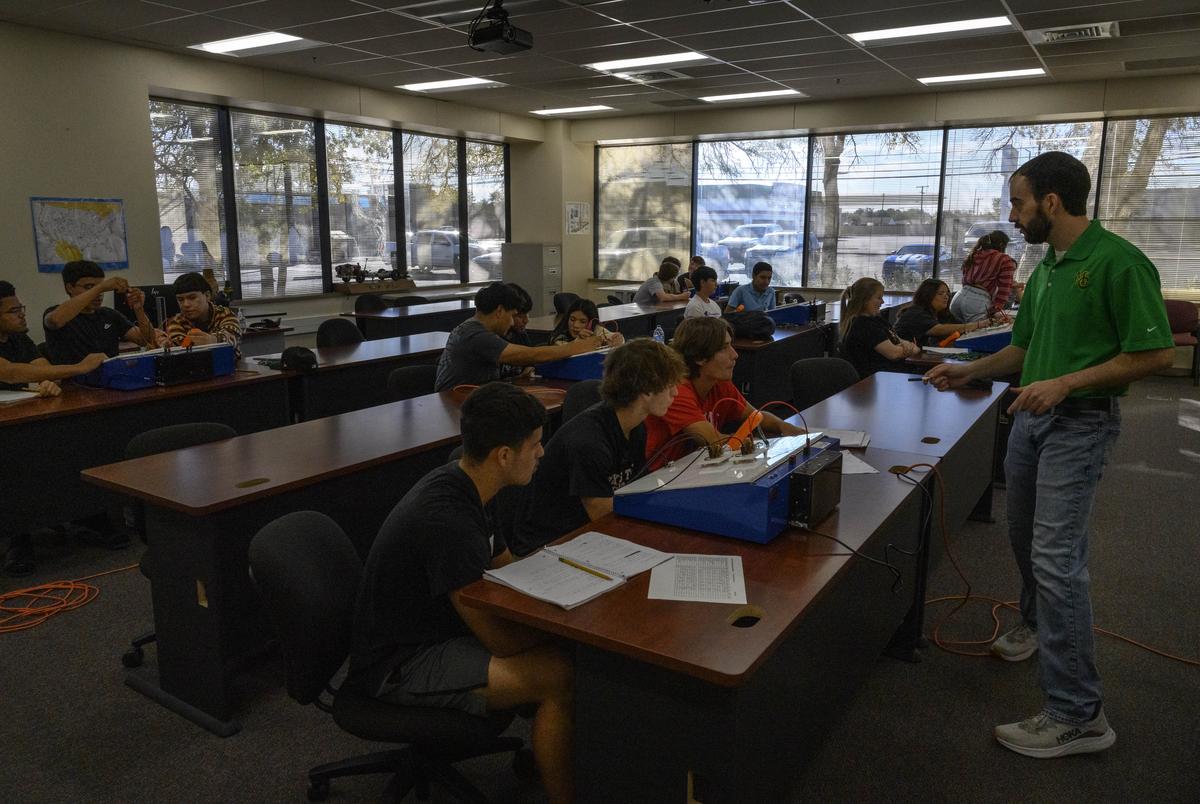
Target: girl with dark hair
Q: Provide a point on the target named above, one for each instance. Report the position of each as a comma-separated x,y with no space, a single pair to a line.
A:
928,319
583,321
987,279
866,339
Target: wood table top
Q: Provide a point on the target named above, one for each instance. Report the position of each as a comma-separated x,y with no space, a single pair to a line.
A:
416,310
747,345
783,578
77,398
332,357
902,413
213,477
609,313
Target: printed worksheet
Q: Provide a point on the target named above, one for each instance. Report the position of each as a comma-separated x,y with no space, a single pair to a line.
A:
699,578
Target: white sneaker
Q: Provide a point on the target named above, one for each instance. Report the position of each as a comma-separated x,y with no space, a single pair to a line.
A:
1043,737
1017,645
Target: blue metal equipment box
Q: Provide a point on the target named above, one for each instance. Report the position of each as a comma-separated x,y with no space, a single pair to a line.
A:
160,367
798,314
989,340
587,366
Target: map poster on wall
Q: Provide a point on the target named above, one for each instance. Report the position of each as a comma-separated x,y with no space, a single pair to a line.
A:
66,229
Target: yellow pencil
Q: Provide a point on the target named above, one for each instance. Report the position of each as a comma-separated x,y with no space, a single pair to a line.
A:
588,570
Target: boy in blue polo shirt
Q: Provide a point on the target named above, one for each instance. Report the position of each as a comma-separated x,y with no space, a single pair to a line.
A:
758,295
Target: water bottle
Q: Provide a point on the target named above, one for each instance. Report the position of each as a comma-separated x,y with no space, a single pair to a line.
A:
659,335
241,318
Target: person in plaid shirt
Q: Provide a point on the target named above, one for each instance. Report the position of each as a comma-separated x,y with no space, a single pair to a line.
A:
198,319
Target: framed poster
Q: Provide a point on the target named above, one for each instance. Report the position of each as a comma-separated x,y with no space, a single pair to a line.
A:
579,218
66,229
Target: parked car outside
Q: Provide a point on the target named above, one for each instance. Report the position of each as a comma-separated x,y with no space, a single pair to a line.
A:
746,236
434,249
785,252
636,253
909,264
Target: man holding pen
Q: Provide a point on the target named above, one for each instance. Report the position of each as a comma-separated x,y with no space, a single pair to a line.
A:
1092,321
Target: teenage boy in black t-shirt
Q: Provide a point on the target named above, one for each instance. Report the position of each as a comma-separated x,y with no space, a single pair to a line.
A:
599,450
415,642
81,325
20,362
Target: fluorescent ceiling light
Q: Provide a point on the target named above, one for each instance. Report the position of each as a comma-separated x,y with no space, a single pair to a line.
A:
980,24
196,139
282,131
648,61
770,93
453,83
252,42
949,79
572,110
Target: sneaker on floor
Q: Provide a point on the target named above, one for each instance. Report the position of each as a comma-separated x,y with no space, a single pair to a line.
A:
1017,645
1043,737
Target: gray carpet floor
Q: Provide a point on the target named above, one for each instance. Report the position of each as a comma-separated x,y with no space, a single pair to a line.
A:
914,732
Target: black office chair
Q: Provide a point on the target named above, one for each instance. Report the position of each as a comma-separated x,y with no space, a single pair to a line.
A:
793,298
580,396
817,378
409,381
368,303
614,299
408,301
338,332
307,573
563,300
152,442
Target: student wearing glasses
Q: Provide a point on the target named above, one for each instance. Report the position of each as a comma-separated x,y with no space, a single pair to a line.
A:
20,362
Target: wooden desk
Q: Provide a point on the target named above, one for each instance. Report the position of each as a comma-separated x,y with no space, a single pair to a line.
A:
52,440
203,505
762,372
445,294
740,708
631,320
432,317
355,376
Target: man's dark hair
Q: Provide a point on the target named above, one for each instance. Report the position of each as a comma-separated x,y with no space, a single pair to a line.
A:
6,289
673,259
702,273
699,339
498,415
668,270
640,366
526,301
497,294
79,269
760,267
1059,173
191,282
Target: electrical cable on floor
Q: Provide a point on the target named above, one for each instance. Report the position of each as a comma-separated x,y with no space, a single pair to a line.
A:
22,609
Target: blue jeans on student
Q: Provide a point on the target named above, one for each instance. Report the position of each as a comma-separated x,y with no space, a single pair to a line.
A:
1053,466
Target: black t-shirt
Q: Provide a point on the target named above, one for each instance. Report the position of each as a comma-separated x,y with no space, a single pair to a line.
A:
471,356
100,331
589,456
19,348
866,332
915,321
437,539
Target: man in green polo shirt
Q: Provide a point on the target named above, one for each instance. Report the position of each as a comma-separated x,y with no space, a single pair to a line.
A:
1092,320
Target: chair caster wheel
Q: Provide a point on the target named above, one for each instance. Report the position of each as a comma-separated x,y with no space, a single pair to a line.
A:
318,790
133,657
523,765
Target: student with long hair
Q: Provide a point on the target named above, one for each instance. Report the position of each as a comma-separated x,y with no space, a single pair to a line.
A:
583,321
987,279
928,319
866,339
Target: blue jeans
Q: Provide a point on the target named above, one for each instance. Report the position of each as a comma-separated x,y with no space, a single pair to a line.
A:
1053,466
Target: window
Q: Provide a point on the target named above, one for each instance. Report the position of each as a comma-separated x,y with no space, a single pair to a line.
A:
750,206
979,162
486,231
362,189
431,208
643,208
278,222
187,176
872,195
1150,194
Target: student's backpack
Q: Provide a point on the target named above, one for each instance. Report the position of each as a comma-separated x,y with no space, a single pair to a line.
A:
753,325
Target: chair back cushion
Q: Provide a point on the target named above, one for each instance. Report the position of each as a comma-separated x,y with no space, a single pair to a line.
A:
818,378
409,381
563,300
1182,315
338,332
176,436
307,574
369,303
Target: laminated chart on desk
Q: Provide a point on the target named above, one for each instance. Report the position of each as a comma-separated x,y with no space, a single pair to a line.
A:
991,339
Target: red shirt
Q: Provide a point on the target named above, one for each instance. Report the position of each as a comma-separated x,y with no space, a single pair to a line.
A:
992,270
689,408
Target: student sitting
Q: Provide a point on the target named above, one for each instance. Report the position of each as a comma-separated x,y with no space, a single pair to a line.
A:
199,320
517,334
583,321
476,348
80,326
414,642
928,320
655,289
708,401
599,450
758,295
866,340
702,304
685,278
20,362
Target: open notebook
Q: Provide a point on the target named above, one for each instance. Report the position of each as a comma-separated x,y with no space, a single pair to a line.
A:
574,572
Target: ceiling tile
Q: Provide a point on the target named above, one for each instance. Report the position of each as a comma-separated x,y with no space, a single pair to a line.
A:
745,37
274,14
724,19
916,15
188,31
404,45
103,16
797,49
311,59
608,36
951,48
206,5
15,9
362,26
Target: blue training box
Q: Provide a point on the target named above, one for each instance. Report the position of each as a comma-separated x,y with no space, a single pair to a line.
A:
987,340
587,366
157,367
798,314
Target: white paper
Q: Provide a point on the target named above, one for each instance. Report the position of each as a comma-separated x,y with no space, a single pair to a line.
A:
699,578
16,396
609,555
945,350
852,439
544,577
854,465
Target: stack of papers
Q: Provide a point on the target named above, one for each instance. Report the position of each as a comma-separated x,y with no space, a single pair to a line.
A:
854,465
16,396
851,439
699,578
945,350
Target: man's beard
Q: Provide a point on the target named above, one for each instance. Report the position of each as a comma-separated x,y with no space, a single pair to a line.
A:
1037,230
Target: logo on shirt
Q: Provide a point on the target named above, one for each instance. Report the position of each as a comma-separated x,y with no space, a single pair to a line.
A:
108,326
1083,279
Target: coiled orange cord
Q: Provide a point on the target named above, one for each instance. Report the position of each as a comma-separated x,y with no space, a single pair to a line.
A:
22,609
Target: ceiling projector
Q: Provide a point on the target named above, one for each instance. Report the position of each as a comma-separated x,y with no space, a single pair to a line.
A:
491,32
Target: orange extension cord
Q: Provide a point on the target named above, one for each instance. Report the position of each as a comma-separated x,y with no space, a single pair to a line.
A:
28,608
970,647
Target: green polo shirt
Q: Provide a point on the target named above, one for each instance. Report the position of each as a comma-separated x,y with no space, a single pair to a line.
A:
1102,299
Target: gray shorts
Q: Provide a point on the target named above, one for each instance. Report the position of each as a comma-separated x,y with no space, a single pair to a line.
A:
450,674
